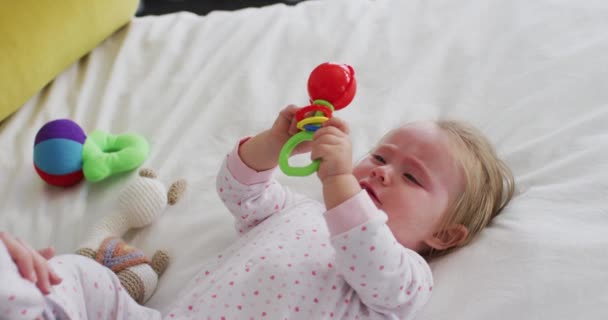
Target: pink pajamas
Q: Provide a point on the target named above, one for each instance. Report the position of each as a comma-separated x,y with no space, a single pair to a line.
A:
88,291
292,260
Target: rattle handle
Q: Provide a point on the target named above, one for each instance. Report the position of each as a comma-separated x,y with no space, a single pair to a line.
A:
288,148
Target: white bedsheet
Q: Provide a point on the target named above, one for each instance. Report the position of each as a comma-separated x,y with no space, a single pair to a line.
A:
531,74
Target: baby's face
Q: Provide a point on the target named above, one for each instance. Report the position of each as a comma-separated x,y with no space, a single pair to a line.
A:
413,176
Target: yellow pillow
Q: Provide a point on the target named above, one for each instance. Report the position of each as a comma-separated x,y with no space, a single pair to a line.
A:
41,38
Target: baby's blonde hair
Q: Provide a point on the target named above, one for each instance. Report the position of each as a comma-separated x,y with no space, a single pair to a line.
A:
489,183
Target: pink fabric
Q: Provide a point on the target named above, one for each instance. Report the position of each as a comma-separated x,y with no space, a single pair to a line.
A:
287,264
241,172
351,213
88,291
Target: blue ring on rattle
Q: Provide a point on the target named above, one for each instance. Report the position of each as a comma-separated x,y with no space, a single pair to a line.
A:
312,127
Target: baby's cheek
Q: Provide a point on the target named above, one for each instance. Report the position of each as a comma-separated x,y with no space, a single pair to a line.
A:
413,210
441,201
359,171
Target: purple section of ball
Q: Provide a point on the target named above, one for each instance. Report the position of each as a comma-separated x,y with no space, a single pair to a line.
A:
61,128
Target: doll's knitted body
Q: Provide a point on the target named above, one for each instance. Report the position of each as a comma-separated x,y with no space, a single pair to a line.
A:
141,202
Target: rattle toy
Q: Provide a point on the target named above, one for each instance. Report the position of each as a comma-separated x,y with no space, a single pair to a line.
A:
64,155
331,87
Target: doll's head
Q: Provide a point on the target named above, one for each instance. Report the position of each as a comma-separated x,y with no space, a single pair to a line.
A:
440,183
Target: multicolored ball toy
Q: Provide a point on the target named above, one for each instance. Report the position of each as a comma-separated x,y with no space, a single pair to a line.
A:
64,155
58,152
331,87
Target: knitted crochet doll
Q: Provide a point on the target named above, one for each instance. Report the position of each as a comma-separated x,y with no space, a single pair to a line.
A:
141,202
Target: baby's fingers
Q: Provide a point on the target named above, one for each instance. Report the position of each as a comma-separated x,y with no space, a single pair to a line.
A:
290,110
303,147
329,131
284,123
41,268
321,151
43,274
22,257
54,278
47,253
338,123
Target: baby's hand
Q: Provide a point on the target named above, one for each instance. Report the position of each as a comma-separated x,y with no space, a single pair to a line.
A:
31,264
331,144
285,126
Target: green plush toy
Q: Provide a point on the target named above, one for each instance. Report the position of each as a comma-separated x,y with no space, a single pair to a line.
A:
104,154
63,154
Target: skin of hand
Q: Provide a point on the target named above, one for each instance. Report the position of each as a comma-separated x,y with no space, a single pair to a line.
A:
31,264
261,152
331,144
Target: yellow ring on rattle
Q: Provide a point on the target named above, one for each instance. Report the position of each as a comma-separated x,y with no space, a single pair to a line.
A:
311,120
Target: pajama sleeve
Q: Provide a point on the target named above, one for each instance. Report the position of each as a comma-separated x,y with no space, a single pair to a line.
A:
391,280
250,196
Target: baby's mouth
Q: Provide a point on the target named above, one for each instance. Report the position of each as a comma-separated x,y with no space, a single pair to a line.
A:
370,192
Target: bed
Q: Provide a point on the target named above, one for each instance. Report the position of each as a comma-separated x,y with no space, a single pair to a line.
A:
530,74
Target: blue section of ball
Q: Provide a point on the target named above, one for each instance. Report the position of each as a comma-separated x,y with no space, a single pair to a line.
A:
58,156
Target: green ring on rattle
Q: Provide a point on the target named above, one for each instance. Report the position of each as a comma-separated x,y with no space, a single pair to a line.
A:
324,103
288,149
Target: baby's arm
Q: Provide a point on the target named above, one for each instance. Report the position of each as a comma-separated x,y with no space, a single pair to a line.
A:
261,152
245,181
388,278
332,146
251,196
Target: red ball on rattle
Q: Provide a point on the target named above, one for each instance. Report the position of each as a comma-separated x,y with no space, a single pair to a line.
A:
334,83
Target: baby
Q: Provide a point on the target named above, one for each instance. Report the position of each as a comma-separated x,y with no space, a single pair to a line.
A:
426,189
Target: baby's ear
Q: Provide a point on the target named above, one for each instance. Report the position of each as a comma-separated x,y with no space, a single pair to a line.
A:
451,236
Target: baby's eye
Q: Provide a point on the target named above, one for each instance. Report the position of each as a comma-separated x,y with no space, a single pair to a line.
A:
379,158
411,178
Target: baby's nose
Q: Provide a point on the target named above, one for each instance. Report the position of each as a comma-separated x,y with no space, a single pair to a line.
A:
380,173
